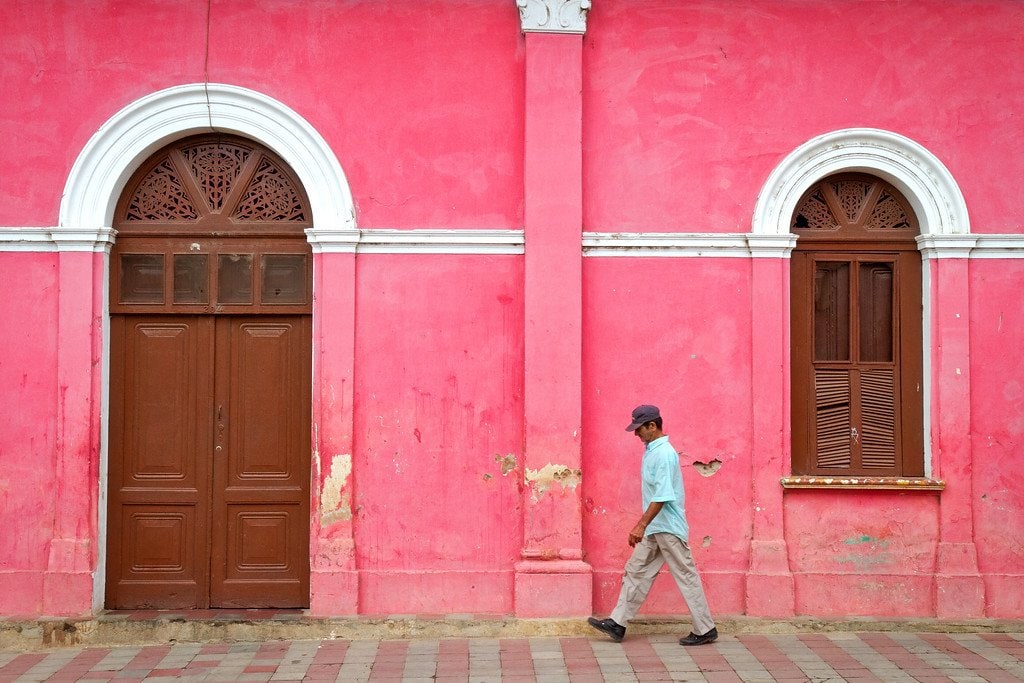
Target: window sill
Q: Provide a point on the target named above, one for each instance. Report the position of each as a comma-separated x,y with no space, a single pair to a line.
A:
860,483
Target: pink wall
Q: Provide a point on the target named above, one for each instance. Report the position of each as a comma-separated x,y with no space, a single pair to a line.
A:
423,380
676,333
49,446
422,102
440,145
28,438
862,553
997,429
67,68
438,432
690,105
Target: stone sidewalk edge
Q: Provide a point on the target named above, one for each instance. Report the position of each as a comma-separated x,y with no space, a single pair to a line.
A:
113,629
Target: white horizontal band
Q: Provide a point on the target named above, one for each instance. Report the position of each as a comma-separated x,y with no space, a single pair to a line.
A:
681,244
490,241
56,239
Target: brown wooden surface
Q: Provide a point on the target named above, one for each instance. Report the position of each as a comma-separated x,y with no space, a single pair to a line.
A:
209,466
210,382
260,509
856,332
161,437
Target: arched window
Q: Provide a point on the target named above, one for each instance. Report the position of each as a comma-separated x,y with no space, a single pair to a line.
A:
856,331
212,224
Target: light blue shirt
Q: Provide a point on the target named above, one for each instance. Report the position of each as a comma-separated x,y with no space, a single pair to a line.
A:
662,482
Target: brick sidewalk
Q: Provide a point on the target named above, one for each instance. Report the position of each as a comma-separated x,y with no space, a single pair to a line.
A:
960,657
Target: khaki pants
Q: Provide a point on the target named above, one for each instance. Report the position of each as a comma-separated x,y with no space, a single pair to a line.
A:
642,568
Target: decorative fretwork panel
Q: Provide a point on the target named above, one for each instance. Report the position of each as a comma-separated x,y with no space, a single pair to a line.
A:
215,166
230,184
848,207
270,197
888,214
815,214
161,197
852,195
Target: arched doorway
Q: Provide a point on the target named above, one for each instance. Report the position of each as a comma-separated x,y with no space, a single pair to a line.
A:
856,331
210,381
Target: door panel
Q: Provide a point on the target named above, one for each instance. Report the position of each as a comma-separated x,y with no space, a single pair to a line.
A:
159,490
209,462
261,481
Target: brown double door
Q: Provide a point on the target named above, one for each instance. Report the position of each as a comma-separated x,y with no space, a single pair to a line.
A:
209,461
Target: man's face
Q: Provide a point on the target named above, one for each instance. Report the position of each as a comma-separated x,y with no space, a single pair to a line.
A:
646,432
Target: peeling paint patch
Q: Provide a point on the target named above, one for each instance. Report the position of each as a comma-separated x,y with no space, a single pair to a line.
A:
707,468
507,462
706,543
334,496
543,479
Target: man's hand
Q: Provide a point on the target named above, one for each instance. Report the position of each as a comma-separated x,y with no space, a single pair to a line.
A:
637,534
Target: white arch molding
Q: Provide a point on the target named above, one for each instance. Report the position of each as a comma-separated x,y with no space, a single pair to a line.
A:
926,183
134,133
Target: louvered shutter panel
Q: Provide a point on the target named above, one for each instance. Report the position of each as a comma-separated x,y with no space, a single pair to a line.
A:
832,418
877,419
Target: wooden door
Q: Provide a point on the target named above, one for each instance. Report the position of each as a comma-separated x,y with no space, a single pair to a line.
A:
161,442
261,453
210,382
209,467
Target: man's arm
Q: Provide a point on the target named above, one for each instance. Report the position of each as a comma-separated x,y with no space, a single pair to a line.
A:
637,534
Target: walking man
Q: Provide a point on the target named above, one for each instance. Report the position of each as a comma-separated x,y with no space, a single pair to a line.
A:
660,537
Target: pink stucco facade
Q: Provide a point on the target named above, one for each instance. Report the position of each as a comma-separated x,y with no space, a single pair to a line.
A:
547,228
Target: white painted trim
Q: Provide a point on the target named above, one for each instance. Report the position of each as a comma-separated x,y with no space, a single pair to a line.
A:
946,246
553,16
679,244
134,133
925,182
488,241
984,246
998,246
429,241
56,239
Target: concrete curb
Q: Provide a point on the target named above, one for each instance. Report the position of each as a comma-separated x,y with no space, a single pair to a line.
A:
112,629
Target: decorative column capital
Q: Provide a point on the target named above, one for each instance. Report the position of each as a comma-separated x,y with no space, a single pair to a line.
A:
553,16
